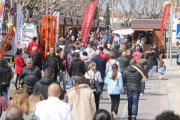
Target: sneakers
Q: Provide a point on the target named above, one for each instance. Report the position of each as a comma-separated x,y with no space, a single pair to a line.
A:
142,94
131,118
114,115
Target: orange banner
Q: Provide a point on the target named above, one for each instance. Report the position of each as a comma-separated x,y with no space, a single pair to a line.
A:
87,21
164,19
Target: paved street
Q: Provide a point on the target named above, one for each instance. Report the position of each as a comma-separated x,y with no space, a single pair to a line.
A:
159,95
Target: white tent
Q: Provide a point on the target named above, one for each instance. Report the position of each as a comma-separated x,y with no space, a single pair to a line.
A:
123,31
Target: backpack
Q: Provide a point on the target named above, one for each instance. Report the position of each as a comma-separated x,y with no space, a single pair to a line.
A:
92,81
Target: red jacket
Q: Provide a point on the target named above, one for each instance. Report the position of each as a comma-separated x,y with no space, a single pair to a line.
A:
136,55
104,56
19,63
31,45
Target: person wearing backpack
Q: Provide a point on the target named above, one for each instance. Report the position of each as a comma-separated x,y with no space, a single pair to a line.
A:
5,77
94,77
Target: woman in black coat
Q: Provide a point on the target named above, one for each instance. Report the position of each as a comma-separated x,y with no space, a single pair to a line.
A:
42,85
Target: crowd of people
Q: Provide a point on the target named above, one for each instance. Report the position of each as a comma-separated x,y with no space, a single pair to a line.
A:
106,60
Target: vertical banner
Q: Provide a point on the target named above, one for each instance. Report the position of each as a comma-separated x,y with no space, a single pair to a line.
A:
164,19
2,4
57,14
19,26
87,21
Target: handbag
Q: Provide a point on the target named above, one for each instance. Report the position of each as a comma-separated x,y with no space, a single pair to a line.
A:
144,78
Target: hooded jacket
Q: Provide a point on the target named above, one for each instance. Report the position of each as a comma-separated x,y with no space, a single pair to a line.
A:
42,86
114,86
82,102
132,79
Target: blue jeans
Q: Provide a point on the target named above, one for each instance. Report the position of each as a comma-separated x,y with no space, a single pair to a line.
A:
71,82
133,100
5,92
62,79
142,87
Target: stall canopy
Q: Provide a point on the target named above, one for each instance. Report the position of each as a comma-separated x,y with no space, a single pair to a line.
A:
123,31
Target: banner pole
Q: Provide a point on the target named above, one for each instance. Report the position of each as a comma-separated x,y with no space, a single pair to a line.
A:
171,25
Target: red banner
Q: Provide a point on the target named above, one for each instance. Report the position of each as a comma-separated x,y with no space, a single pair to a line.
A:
164,19
87,21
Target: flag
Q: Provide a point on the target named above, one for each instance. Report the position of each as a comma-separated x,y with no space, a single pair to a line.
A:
87,21
164,19
19,26
57,14
2,4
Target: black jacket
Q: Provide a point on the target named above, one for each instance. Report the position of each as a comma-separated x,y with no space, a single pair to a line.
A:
5,76
51,61
26,72
100,65
42,86
77,66
150,57
132,79
37,59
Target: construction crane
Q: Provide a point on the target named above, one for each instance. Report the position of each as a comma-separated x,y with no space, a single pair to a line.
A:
47,34
6,41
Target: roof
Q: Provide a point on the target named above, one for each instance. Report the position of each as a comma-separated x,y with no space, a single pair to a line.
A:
146,24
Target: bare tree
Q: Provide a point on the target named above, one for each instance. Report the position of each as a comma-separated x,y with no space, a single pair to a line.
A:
142,8
67,7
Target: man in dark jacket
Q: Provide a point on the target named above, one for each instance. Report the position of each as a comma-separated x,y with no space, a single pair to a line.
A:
30,74
77,66
51,61
5,77
132,79
100,66
36,57
42,85
152,61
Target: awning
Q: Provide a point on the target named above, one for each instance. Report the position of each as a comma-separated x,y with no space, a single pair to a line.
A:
123,31
143,29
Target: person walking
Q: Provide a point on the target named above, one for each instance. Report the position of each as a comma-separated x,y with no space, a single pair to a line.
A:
32,44
53,108
112,60
94,77
81,99
19,64
51,61
115,87
36,57
132,79
29,76
161,69
152,61
77,66
100,66
42,85
5,77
